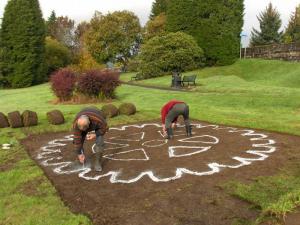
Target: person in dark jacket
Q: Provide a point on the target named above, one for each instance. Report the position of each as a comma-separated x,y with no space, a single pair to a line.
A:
169,115
86,121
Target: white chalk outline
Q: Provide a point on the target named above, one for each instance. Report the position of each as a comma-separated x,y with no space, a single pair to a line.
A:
216,140
172,150
45,157
120,137
119,153
165,141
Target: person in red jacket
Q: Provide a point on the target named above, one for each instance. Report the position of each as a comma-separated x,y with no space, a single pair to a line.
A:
169,114
87,120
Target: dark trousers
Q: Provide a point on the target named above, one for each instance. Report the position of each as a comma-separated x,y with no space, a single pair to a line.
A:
178,110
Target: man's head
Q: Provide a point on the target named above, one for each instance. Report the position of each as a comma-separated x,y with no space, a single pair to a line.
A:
83,122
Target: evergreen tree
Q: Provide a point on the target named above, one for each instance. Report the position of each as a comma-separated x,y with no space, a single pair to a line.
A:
51,25
292,32
158,7
269,23
22,38
216,25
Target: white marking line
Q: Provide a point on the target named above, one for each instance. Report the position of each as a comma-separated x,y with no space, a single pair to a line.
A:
48,156
109,156
173,150
121,137
213,140
162,142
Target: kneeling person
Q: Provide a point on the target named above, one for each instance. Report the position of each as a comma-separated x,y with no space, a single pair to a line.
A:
169,115
87,120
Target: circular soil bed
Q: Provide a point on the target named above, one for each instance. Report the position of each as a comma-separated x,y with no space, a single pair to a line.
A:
149,180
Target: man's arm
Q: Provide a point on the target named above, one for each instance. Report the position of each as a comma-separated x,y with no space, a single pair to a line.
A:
78,140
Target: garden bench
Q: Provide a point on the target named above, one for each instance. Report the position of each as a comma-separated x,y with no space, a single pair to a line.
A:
189,79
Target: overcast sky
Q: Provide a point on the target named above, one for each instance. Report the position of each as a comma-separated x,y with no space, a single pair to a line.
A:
84,9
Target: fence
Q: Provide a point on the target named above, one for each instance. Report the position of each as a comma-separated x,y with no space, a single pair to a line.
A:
289,52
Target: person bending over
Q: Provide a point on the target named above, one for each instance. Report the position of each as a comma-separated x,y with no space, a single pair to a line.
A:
169,114
86,121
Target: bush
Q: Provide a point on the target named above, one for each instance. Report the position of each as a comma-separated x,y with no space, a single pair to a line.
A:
96,83
63,84
57,55
170,52
127,109
110,110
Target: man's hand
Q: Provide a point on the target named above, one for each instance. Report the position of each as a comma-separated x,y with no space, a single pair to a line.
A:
164,129
81,158
174,125
90,137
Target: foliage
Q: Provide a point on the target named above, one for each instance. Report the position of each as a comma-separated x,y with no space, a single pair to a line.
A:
97,83
292,32
269,23
171,52
159,7
155,27
216,26
63,84
62,29
113,37
57,55
22,38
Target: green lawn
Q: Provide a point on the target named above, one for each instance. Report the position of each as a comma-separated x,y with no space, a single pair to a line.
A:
251,93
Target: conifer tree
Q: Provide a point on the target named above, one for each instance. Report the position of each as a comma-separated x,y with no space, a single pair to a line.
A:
269,23
22,40
216,25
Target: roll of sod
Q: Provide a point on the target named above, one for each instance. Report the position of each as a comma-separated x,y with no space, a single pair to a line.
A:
55,117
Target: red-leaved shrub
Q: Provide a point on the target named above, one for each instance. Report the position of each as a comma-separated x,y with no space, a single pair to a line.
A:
63,84
97,83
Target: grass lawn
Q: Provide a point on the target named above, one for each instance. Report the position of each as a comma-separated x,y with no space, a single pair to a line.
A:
251,93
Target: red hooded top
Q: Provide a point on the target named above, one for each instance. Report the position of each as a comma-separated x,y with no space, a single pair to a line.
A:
166,108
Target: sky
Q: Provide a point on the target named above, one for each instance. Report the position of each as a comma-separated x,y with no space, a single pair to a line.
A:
81,10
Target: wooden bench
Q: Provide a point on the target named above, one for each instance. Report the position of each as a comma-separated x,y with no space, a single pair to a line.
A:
136,77
189,79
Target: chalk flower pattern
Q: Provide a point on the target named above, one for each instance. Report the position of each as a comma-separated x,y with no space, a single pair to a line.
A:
133,154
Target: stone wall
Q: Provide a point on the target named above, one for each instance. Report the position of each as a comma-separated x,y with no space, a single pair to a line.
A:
288,52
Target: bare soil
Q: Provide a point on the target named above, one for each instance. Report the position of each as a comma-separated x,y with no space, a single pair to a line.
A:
190,199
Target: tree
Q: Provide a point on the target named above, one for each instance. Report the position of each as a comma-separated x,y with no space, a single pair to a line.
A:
155,27
57,55
113,37
216,25
168,53
51,25
269,23
62,29
22,37
158,7
292,32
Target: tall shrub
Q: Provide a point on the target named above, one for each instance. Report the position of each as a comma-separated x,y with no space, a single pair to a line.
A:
63,84
168,53
97,83
22,38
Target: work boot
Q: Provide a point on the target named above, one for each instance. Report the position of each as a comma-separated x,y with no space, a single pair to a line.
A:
188,130
169,133
97,161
